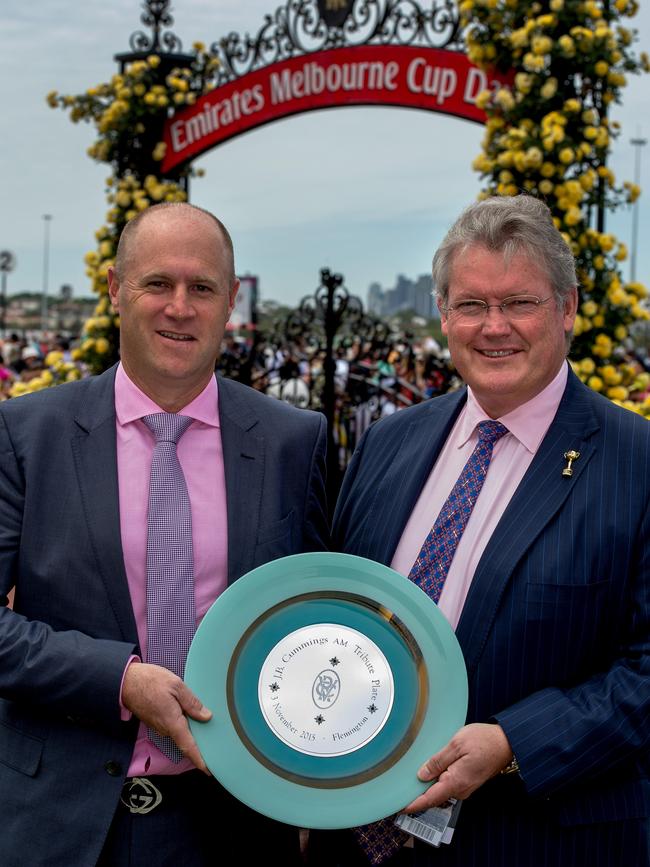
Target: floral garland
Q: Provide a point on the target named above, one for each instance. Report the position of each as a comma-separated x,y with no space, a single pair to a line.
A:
129,113
548,133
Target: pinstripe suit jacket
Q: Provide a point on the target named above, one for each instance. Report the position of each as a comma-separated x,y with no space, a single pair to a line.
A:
556,626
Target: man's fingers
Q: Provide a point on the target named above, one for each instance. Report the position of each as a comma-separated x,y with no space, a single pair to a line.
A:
435,795
192,705
431,769
183,739
163,702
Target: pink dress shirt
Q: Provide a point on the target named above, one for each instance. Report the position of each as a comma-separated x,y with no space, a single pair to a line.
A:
201,457
511,458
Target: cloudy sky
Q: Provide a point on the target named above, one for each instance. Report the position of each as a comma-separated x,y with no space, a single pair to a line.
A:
368,192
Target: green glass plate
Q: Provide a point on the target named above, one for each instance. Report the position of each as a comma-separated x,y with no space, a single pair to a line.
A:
280,771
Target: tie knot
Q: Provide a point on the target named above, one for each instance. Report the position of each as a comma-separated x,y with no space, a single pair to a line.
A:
491,431
167,427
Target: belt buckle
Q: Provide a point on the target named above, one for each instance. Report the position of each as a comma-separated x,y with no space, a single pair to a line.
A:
140,796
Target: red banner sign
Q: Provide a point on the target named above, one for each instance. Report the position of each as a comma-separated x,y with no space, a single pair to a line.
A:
426,78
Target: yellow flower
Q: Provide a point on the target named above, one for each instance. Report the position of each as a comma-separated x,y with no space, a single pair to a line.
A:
102,345
159,151
52,358
153,60
572,105
610,374
519,38
618,297
566,156
505,99
573,216
549,89
618,392
523,82
620,332
595,382
18,389
533,62
587,365
589,308
567,45
541,44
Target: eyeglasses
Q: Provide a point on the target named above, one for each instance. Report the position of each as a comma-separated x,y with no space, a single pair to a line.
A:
514,308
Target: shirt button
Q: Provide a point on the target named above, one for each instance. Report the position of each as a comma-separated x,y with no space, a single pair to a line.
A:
113,769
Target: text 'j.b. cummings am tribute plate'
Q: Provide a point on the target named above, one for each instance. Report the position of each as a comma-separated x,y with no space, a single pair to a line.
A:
331,679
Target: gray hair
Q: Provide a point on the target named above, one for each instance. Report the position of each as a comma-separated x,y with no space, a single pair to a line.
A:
511,225
128,234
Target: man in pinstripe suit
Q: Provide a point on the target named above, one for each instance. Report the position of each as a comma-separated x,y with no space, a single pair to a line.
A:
549,585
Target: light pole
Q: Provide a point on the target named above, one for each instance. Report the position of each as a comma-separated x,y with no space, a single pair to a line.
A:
638,143
47,219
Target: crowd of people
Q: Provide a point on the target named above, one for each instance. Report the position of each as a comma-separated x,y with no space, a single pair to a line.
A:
23,359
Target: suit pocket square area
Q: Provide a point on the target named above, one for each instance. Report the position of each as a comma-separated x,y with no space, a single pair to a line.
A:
276,530
20,751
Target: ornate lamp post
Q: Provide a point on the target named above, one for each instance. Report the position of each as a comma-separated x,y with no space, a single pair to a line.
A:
47,219
168,47
638,143
320,318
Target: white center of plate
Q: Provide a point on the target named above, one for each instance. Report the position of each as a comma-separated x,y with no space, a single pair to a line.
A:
326,690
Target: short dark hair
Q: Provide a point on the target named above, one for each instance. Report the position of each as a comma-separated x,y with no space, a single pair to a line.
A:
508,224
130,228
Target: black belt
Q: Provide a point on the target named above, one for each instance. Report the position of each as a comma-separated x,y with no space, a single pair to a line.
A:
142,795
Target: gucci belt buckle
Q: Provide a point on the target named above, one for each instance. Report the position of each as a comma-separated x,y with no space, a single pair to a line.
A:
139,795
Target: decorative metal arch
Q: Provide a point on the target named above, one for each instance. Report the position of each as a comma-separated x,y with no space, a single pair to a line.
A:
301,27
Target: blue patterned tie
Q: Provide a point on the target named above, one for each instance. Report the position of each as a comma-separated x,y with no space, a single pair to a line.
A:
432,564
171,617
382,839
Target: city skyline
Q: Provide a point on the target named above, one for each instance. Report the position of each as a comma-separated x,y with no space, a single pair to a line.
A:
367,192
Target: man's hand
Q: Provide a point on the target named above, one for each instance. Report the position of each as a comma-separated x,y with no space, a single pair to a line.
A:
475,754
161,701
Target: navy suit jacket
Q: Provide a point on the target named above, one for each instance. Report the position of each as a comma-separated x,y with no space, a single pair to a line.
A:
63,749
555,630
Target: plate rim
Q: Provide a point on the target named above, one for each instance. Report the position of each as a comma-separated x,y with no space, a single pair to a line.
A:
230,760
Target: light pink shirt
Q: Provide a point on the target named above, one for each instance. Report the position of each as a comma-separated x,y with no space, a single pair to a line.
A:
511,458
201,457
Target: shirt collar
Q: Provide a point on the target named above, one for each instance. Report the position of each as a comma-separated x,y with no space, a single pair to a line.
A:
131,403
528,422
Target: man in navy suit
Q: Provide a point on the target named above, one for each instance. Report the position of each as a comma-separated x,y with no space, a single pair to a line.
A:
549,586
78,699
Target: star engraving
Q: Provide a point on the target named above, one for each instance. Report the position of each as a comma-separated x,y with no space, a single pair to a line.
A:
274,687
334,661
372,708
320,719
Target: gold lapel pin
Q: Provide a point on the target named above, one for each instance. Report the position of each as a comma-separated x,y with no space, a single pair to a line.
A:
570,457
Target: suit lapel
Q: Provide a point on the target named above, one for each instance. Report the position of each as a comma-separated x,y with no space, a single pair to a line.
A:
414,456
538,498
94,450
243,458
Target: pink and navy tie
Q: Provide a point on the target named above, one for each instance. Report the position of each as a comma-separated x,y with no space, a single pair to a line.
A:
382,839
432,564
171,616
